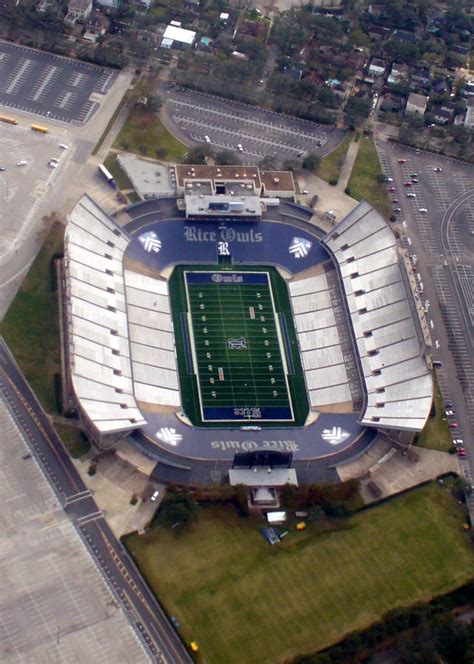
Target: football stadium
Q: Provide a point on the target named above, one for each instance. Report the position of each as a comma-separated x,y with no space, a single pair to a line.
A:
220,329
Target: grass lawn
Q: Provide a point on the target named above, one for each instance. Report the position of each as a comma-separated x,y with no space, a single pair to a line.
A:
119,175
244,601
30,326
330,166
144,134
436,435
363,182
73,440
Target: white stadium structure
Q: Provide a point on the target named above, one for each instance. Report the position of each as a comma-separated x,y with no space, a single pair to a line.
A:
119,342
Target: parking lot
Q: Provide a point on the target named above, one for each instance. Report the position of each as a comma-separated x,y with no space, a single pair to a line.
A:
228,124
435,196
54,604
51,86
23,188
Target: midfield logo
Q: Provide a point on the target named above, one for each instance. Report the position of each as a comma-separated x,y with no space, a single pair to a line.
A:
300,247
150,242
335,436
169,436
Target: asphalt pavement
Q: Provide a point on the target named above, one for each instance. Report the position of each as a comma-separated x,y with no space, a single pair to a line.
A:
141,608
436,223
251,131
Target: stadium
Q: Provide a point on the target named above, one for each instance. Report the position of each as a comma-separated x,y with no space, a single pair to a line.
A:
225,333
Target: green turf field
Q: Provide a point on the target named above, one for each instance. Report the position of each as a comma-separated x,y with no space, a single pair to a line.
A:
245,601
237,352
237,348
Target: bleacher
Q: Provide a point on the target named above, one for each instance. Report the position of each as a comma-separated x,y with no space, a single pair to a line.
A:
100,366
397,378
320,344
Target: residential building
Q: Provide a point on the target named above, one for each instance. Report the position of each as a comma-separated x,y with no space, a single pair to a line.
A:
377,67
96,26
416,104
110,4
78,10
177,37
469,118
398,74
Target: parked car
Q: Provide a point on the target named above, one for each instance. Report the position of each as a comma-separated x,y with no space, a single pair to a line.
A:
154,496
413,175
402,161
407,184
394,200
452,425
21,163
437,169
460,451
391,189
411,195
423,210
458,441
63,146
450,412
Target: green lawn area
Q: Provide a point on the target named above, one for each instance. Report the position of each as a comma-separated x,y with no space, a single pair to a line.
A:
363,182
144,134
30,326
436,435
244,601
73,440
120,176
330,167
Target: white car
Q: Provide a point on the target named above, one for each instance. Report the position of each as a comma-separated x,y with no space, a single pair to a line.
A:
63,146
423,210
240,147
52,164
54,159
411,195
154,496
21,163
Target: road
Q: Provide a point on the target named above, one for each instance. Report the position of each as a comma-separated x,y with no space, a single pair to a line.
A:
441,242
142,610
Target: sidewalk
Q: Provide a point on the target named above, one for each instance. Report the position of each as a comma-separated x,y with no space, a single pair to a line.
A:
347,166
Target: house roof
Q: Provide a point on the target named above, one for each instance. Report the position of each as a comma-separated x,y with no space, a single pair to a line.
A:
419,101
178,34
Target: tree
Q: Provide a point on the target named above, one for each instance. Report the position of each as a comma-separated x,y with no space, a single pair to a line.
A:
316,514
198,155
154,102
268,163
311,162
226,158
177,507
357,110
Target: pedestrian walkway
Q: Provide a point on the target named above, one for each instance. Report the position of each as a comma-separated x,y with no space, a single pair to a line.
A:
347,166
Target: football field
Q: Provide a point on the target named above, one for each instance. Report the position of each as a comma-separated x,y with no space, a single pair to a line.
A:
237,345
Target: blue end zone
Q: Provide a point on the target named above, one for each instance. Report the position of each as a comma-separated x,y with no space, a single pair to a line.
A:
247,414
230,278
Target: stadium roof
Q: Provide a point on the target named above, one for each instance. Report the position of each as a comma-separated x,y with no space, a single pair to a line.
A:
388,333
119,331
97,329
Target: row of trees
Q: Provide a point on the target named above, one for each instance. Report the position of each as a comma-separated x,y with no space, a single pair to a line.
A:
422,634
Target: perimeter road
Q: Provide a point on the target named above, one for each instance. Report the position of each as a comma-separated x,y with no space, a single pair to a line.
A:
140,606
